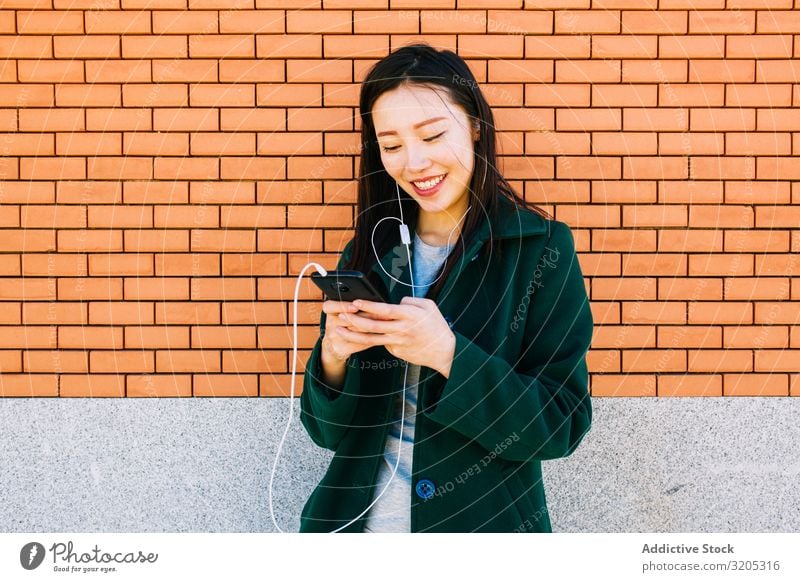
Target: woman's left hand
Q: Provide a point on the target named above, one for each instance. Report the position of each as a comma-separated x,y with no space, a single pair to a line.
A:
414,331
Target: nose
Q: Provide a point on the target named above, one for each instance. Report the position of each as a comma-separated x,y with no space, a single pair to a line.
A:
416,159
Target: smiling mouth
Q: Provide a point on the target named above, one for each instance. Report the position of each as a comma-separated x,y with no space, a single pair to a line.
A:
429,184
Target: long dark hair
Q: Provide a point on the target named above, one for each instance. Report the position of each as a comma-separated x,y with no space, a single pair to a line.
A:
421,64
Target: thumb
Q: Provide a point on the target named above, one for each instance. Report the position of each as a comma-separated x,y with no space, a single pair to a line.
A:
418,301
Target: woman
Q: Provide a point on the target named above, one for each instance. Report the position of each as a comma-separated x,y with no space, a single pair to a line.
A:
479,354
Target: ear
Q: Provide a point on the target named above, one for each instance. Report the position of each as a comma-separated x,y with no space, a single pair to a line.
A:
476,130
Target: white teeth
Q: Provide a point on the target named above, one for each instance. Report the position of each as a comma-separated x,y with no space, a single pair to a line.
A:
428,184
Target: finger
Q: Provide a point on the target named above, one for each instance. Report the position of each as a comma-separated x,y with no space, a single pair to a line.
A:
364,339
331,307
384,310
372,316
368,325
417,301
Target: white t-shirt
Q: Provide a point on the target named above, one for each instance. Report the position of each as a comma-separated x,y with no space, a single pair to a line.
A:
392,512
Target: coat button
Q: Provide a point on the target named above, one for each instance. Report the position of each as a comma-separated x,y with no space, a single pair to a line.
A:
425,488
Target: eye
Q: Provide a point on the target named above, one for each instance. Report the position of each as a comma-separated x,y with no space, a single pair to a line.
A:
435,137
390,149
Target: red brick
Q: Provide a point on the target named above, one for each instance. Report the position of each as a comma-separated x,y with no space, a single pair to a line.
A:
164,385
26,95
557,47
92,385
253,169
625,385
653,22
28,385
224,289
185,22
438,41
290,95
252,71
51,71
155,95
759,95
683,385
373,21
226,337
580,71
120,264
781,21
550,143
719,21
654,168
777,71
50,22
187,168
253,216
223,144
722,71
691,143
522,71
89,46
117,120
269,312
155,47
176,216
194,312
691,47
689,336
155,144
185,70
108,168
281,46
85,337
756,385
257,21
628,46
356,47
215,192
52,168
588,119
653,71
225,385
587,21
196,264
114,21
222,241
88,144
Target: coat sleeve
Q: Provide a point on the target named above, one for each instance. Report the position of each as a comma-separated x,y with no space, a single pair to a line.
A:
537,407
326,412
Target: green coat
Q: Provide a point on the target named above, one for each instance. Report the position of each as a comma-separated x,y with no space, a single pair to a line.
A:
517,392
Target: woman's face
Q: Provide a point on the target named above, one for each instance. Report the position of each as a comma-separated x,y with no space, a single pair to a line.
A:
427,146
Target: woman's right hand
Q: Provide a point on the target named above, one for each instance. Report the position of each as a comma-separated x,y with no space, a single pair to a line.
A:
334,347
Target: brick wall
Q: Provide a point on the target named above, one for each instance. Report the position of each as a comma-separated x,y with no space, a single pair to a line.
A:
168,167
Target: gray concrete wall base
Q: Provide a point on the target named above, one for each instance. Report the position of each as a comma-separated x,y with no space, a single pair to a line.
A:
203,465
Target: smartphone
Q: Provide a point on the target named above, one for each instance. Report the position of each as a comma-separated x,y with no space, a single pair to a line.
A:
347,286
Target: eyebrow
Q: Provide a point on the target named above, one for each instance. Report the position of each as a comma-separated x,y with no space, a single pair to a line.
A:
417,126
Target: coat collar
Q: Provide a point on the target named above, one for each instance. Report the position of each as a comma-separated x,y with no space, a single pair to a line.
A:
510,221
